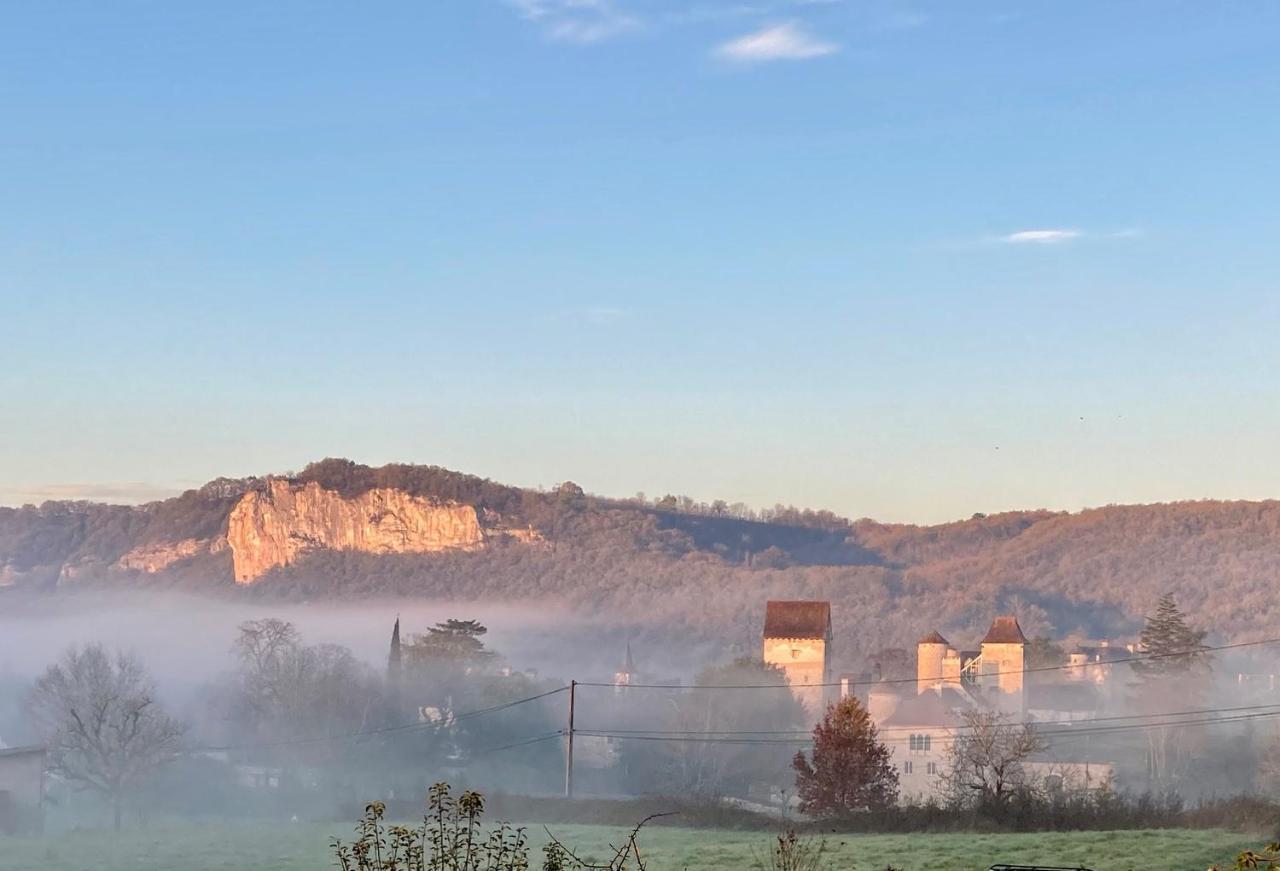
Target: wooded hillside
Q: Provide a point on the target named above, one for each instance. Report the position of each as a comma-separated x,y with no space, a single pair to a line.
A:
709,568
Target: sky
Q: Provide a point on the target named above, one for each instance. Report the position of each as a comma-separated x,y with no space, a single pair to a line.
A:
905,260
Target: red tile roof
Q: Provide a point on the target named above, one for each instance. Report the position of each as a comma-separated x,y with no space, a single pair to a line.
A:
1005,630
797,620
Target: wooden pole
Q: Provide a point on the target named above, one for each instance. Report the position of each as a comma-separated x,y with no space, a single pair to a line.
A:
568,756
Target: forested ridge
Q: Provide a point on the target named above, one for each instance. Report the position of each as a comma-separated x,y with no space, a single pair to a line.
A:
709,567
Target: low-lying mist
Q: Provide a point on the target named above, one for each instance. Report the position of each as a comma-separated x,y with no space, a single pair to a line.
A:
184,640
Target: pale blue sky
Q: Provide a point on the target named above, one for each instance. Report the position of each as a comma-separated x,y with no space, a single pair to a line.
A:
904,260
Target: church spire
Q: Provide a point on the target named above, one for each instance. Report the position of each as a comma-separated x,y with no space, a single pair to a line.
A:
627,674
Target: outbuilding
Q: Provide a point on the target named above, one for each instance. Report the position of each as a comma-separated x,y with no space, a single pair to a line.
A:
21,789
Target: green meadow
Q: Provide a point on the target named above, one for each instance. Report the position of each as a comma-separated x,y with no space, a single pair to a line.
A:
304,847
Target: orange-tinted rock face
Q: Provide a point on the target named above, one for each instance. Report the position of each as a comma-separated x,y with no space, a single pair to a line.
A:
274,527
152,558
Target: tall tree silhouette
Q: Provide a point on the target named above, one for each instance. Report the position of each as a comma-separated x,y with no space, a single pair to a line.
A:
850,770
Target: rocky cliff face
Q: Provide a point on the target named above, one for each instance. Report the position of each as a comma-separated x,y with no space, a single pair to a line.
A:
274,526
156,557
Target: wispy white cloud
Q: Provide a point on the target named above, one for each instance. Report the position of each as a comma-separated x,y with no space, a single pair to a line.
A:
123,491
902,20
601,315
578,21
1041,237
605,314
787,41
705,13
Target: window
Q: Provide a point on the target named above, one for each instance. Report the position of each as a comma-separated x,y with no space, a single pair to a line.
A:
906,768
920,742
931,768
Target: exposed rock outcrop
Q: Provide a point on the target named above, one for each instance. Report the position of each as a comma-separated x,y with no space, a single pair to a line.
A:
276,525
158,556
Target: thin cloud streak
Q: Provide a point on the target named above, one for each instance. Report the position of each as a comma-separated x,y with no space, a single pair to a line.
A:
123,491
577,21
787,41
1041,237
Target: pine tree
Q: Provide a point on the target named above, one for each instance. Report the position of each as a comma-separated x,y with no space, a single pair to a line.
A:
850,770
1172,647
1173,672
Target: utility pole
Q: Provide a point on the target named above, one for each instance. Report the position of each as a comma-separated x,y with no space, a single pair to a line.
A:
568,756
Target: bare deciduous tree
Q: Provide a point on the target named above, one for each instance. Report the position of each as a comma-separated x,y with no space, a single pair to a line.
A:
987,759
105,730
287,690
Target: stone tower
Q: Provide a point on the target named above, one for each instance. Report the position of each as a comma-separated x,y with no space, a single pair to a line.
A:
797,639
1003,661
930,652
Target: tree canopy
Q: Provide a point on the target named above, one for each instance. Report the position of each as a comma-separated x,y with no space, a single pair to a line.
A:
105,730
850,769
1171,645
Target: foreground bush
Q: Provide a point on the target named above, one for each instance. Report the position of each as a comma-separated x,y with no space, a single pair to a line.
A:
451,839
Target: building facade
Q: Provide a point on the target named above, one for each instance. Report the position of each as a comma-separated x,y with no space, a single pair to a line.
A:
920,722
797,639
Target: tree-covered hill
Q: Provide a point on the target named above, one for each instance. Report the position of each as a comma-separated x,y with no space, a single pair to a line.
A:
707,568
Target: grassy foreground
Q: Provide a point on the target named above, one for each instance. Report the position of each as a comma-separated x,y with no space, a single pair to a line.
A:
303,847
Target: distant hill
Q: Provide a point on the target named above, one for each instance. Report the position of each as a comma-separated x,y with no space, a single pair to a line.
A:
339,529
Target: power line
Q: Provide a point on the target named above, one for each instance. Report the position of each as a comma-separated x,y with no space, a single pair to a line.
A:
525,743
502,707
382,731
1043,724
903,680
1049,735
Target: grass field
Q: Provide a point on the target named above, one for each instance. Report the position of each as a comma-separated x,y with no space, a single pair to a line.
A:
303,847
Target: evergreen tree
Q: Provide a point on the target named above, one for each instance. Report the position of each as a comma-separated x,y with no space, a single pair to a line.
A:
850,770
1172,646
394,659
1173,674
453,641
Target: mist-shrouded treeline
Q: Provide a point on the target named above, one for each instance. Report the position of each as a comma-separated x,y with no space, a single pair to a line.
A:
298,709
309,711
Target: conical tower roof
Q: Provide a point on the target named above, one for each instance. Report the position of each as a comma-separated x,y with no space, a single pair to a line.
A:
934,637
1005,630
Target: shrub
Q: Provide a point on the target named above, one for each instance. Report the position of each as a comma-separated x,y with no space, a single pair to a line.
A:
793,853
451,839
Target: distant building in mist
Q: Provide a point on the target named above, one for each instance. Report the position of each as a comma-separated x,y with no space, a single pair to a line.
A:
22,789
1091,662
626,675
919,720
798,640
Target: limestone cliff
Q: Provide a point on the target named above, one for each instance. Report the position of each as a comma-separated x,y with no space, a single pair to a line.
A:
274,526
158,556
